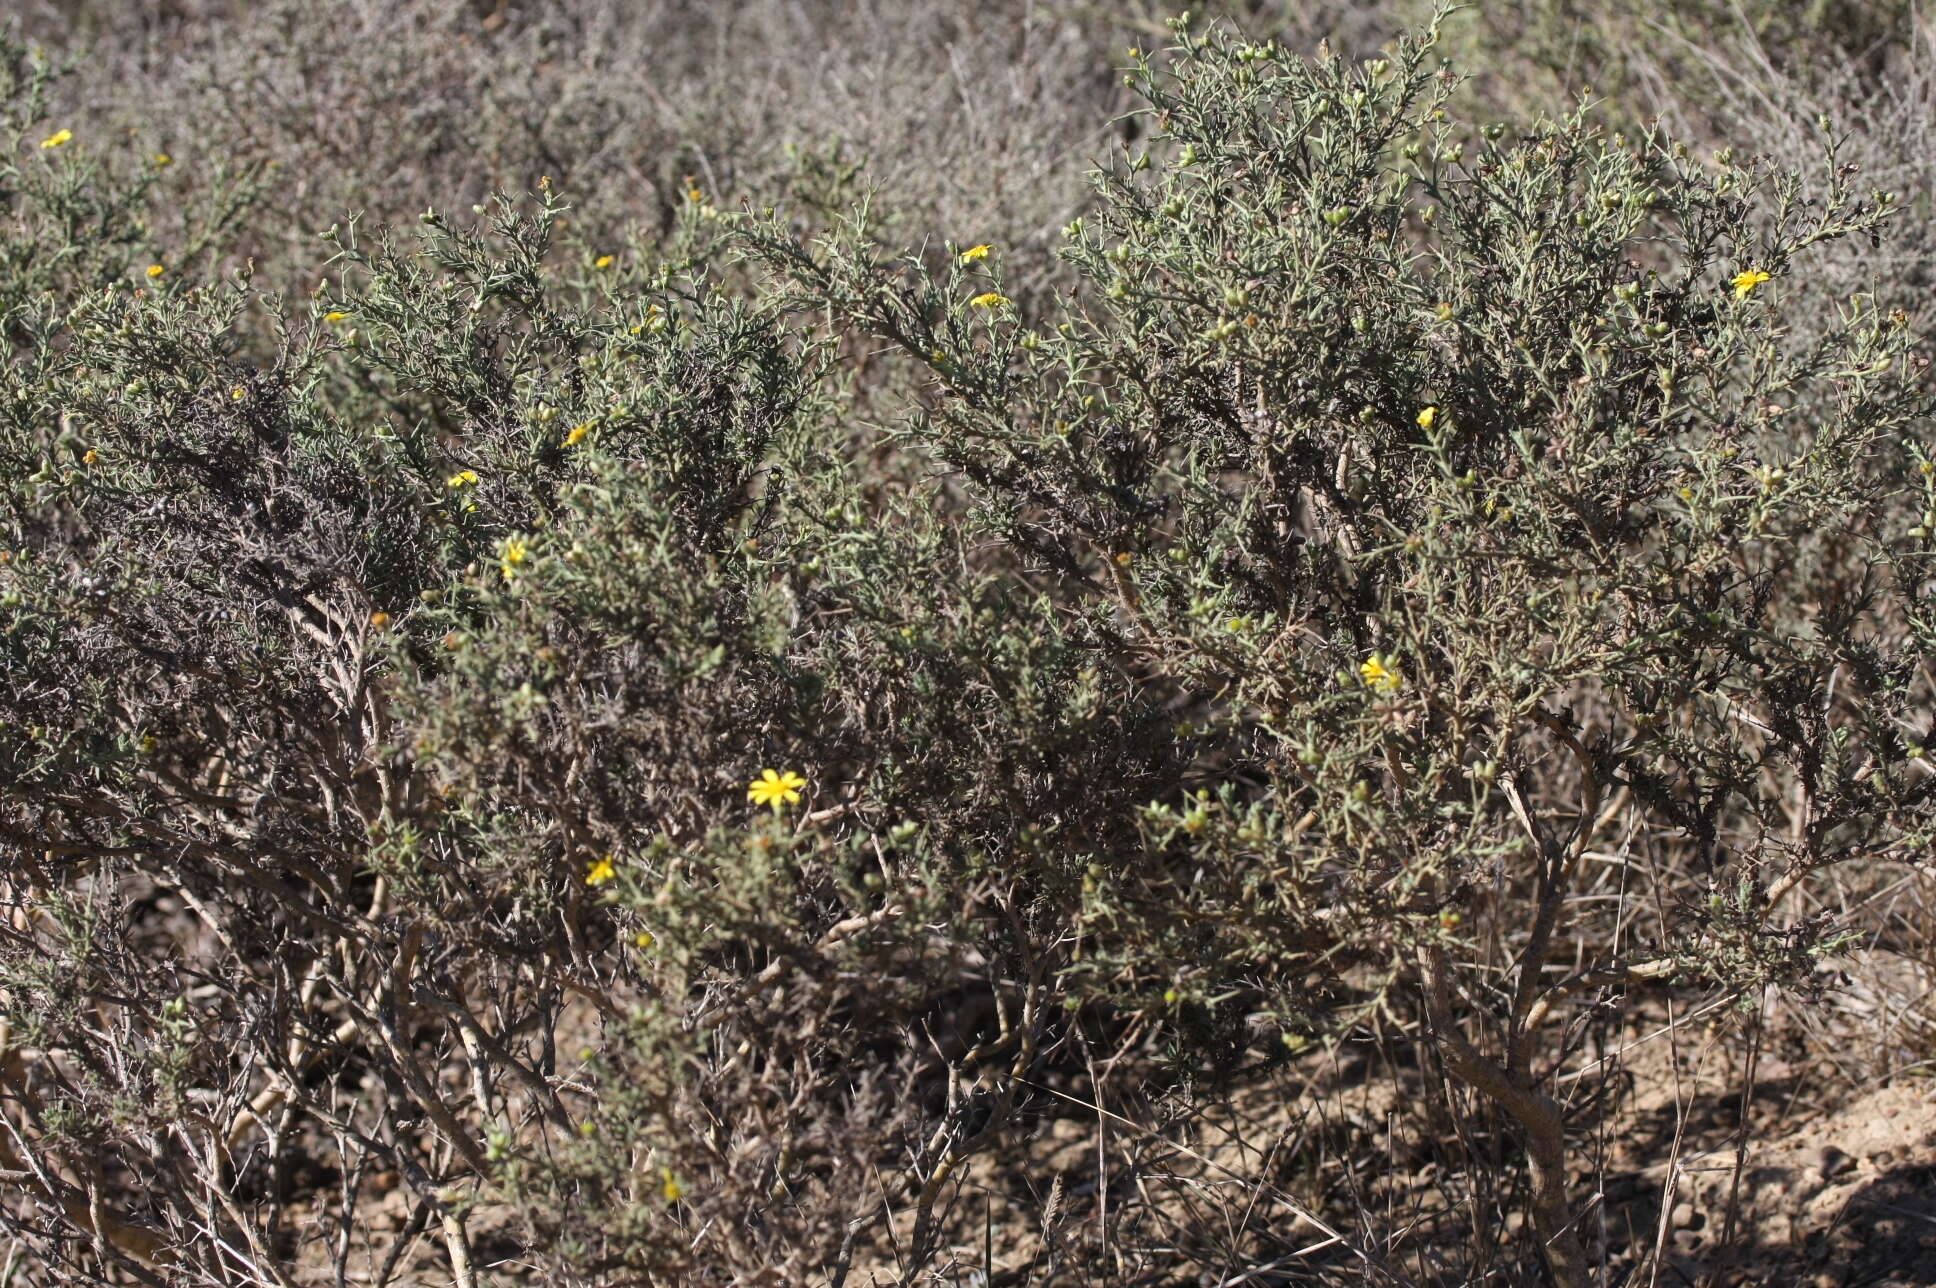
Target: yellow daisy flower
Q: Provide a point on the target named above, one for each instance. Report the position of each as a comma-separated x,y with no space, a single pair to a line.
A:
155,270
991,300
1380,675
1427,417
603,261
1746,281
463,478
515,553
577,434
601,872
974,253
775,789
57,138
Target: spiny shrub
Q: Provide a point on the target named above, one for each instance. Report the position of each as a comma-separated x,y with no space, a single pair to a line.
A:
496,736
1483,522
377,741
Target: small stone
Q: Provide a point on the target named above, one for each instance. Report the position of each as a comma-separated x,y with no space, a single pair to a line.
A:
1833,1162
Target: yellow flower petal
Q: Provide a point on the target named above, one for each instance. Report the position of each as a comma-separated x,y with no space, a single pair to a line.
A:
974,253
57,138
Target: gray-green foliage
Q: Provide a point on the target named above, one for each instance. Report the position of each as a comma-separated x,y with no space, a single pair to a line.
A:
1402,547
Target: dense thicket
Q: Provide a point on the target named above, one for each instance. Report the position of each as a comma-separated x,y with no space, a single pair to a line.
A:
674,707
